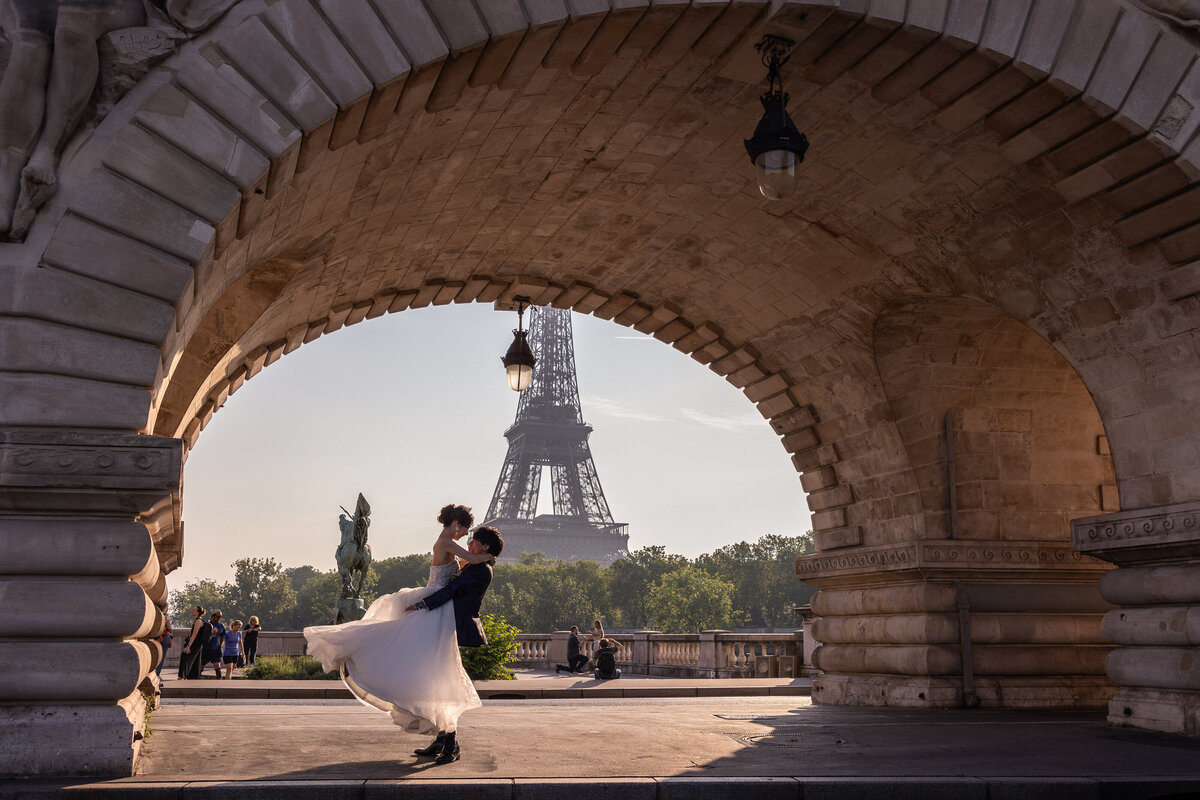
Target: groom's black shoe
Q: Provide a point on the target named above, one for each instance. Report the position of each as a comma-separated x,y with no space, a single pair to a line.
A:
434,749
448,756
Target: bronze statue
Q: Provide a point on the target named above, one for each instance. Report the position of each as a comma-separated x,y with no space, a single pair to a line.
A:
353,559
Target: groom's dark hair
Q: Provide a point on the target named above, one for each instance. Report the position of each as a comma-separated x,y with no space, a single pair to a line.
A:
491,539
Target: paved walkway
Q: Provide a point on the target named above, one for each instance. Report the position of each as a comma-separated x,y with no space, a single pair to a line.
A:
644,748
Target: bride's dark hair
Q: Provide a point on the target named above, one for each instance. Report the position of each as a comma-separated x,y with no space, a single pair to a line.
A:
460,514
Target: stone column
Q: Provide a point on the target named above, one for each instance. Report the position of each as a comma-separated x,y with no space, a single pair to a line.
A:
1157,624
80,580
892,621
643,653
556,652
808,642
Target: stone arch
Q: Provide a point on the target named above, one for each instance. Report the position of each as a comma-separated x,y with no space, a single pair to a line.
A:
967,384
1040,156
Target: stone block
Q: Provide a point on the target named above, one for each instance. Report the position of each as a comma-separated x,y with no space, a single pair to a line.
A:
816,457
838,538
803,439
39,608
584,788
776,405
477,789
256,50
829,520
195,130
832,497
820,478
83,547
324,54
1039,45
793,421
135,211
1173,668
80,246
1084,46
52,401
1124,54
1181,282
1155,86
149,161
35,346
97,670
274,790
609,36
1157,710
81,739
685,788
223,89
583,20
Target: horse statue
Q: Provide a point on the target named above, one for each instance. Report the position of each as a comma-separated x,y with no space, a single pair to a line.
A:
353,559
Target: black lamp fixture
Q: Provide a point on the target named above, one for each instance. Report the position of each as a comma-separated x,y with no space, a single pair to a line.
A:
519,360
777,147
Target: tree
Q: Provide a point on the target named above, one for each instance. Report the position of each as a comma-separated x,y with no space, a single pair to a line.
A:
630,579
316,601
689,600
261,588
205,592
401,572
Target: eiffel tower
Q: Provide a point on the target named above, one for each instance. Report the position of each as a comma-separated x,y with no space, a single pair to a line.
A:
549,431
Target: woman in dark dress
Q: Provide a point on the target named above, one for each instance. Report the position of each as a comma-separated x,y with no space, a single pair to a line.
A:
250,641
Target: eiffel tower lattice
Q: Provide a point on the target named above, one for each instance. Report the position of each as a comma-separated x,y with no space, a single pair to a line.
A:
549,431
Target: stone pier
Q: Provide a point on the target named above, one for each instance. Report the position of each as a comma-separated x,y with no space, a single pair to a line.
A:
82,584
1157,624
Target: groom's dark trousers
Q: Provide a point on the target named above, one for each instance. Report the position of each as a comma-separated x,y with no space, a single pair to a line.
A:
467,592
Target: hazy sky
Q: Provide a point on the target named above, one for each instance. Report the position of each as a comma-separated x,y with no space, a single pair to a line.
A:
410,409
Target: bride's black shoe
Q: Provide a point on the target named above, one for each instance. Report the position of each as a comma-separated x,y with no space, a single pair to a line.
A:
448,756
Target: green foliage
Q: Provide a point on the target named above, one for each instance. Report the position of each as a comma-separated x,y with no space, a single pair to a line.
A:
487,663
630,579
400,572
537,594
689,600
289,668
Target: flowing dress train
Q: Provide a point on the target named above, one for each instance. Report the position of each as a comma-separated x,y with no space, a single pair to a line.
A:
405,664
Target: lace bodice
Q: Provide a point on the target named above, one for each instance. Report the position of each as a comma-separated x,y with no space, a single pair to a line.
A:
440,576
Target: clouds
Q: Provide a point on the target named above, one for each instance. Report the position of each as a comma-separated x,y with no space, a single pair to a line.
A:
684,416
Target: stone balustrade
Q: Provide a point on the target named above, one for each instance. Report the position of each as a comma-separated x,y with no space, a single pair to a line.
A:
709,654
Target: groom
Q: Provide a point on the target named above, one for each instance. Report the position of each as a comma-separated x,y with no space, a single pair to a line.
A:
467,592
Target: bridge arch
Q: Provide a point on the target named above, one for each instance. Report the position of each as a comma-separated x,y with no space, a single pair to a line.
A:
307,164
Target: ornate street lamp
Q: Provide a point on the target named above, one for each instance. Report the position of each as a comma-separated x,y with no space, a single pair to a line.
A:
519,360
777,147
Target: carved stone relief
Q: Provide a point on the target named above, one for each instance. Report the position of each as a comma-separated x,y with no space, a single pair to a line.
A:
65,63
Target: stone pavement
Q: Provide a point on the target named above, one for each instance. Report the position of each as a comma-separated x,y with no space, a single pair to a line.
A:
656,748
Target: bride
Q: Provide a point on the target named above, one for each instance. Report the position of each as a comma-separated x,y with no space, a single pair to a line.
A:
408,664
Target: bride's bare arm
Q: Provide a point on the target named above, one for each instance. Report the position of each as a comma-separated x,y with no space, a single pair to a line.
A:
463,554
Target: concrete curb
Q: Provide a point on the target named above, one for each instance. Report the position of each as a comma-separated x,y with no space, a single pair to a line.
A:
664,788
496,690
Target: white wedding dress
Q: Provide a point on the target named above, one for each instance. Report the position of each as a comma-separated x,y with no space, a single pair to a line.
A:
405,664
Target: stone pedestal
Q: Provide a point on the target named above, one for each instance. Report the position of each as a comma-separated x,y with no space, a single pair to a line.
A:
81,584
952,623
1157,624
350,609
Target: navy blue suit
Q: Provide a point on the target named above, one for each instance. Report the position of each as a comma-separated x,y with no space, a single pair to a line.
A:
467,592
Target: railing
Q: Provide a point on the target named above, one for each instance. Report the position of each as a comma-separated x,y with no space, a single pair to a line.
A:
711,654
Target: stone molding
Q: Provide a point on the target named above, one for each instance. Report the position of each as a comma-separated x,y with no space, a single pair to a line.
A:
948,559
87,472
1139,535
